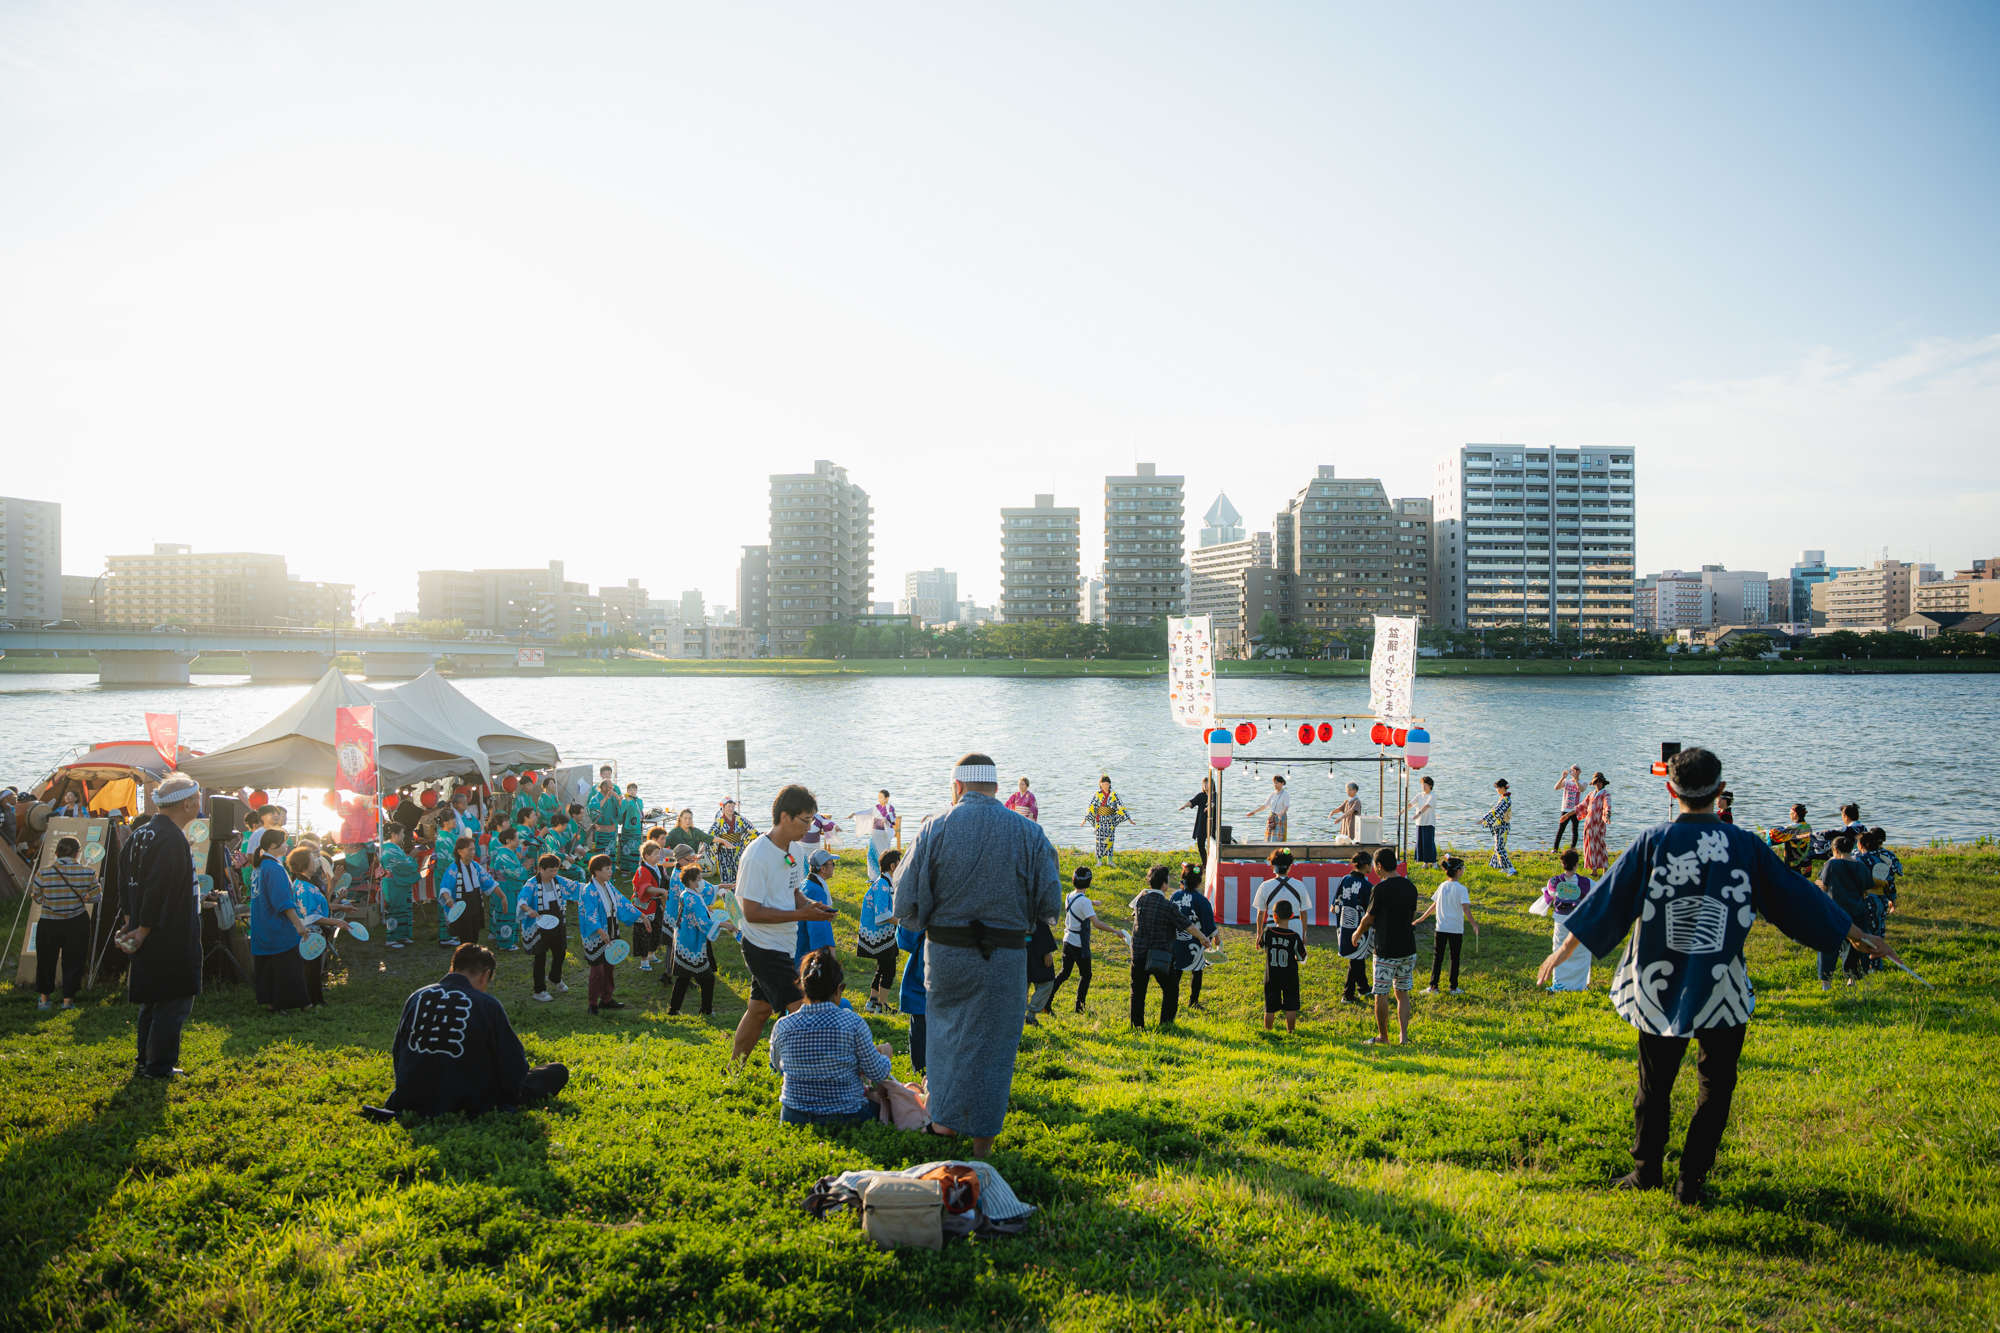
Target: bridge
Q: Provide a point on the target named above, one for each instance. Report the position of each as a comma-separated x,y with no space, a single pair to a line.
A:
139,657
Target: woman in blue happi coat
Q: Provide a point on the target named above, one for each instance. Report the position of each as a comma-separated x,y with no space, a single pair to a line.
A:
876,940
813,935
465,881
695,928
599,914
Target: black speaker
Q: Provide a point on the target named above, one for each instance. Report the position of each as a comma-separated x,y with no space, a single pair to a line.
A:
736,759
1668,749
407,813
225,818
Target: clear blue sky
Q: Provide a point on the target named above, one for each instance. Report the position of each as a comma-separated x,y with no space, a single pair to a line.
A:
571,281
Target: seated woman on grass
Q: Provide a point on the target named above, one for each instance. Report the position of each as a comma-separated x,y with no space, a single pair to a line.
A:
825,1052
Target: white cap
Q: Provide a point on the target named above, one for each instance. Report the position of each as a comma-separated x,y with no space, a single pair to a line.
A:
176,788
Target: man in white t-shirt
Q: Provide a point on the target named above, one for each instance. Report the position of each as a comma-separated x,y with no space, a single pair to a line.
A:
769,880
1275,810
1452,905
1281,886
1079,915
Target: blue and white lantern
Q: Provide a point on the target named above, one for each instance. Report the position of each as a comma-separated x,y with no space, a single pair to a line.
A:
1221,748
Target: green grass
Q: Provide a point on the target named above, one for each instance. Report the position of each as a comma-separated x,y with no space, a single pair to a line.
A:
1206,1178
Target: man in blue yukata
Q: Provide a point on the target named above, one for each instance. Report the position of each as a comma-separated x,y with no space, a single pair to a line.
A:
1688,891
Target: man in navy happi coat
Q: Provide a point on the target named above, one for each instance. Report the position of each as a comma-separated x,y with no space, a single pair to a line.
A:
1687,891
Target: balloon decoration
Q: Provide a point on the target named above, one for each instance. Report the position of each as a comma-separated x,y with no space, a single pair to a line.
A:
391,801
1246,732
258,800
1219,748
1418,751
1325,732
509,783
1305,733
428,800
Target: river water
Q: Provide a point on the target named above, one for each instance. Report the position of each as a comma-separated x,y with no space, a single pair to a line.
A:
1915,751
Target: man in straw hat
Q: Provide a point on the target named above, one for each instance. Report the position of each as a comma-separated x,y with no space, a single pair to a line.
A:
1688,891
162,926
975,881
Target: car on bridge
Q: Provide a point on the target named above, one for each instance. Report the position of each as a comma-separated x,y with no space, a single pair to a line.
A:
62,624
169,629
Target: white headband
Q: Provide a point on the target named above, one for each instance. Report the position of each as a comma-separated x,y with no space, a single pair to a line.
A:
1710,790
974,773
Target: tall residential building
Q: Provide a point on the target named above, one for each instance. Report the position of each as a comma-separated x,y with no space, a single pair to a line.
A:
1221,524
535,603
1978,596
1811,570
1673,599
1090,599
1536,537
1216,588
177,585
931,595
1039,563
1145,541
1355,555
822,548
1869,599
1737,596
31,582
753,597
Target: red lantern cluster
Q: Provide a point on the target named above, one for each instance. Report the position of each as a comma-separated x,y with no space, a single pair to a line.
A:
1246,732
1305,733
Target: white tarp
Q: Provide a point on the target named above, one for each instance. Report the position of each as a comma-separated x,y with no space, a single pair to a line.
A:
1191,671
1392,672
439,702
295,748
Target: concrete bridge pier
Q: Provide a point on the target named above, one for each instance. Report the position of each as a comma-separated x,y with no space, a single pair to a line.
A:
396,666
149,669
287,668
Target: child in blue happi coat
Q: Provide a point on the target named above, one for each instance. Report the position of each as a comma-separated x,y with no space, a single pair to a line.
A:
598,916
876,940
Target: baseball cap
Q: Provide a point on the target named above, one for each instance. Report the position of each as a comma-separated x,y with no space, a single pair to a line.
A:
821,857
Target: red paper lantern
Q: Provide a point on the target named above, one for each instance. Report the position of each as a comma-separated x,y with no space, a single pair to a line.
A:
331,800
1402,735
258,800
1305,733
1379,734
530,777
428,800
391,801
1325,732
509,783
1245,733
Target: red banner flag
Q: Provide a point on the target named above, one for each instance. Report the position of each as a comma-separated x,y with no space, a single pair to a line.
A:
354,749
358,822
164,730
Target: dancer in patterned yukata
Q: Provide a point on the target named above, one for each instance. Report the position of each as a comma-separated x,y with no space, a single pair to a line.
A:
732,833
1499,819
1687,892
975,881
1106,813
1596,823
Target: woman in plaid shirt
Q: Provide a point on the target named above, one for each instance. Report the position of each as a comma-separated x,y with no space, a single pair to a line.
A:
65,888
826,1053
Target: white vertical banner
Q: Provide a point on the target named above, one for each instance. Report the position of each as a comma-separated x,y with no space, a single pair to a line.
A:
1191,671
1392,672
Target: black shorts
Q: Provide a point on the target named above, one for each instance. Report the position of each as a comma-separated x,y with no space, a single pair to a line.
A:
1281,993
773,979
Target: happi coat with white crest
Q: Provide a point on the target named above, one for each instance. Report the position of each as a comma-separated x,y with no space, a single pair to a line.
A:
976,862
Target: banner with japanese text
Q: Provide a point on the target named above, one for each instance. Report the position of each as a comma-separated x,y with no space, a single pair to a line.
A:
354,749
164,731
1392,671
1191,671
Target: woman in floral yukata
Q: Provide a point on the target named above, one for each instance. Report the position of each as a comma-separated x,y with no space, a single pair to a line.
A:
732,834
1106,813
1499,819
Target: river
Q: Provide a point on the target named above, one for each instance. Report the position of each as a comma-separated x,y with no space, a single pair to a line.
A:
1915,751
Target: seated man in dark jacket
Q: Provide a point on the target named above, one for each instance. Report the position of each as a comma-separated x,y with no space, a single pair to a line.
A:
456,1051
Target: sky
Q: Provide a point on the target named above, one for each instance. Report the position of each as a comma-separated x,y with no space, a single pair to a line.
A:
398,286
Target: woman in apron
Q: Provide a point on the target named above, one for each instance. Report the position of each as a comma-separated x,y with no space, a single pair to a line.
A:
1560,897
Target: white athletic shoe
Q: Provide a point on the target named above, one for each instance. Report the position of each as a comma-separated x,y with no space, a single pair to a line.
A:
560,988
543,996
1456,990
646,966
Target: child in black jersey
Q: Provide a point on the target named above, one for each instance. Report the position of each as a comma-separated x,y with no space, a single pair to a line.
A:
1284,948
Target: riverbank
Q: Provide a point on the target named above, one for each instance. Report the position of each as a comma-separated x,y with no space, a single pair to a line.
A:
226,665
1206,1177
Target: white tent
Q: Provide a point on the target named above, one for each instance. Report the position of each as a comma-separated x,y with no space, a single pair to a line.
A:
295,748
439,702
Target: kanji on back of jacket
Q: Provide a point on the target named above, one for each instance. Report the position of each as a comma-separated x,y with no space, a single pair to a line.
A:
1688,893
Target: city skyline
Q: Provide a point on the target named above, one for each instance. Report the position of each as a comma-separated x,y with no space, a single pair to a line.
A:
276,264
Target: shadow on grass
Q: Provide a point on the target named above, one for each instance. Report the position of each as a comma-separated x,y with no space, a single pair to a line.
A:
53,1186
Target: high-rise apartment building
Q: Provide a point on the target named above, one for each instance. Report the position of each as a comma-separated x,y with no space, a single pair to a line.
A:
822,550
177,585
1039,563
931,595
1216,588
1355,554
1090,599
1145,542
1869,599
1221,524
753,597
31,589
1540,538
531,603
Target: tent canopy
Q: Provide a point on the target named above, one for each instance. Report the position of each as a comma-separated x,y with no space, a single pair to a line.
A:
435,699
295,748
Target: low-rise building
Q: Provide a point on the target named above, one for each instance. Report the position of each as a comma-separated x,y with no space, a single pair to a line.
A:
1930,624
1869,599
1963,593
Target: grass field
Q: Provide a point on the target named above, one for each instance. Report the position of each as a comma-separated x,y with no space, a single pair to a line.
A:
1210,1177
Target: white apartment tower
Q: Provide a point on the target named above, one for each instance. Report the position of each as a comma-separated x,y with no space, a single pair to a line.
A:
1145,542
